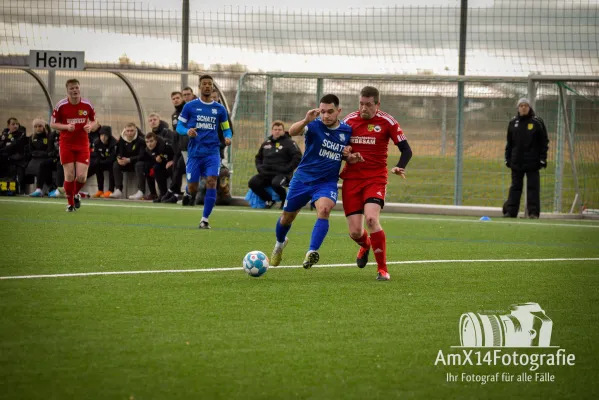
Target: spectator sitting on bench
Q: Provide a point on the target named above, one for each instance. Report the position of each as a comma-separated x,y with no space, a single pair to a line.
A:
157,165
129,152
41,151
13,152
105,148
276,160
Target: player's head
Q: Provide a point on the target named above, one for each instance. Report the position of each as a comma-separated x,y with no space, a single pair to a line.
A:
177,98
39,125
130,131
73,90
329,110
277,129
151,140
154,120
215,96
187,93
12,124
369,102
206,86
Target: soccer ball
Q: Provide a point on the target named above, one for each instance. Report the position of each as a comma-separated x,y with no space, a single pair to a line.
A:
255,263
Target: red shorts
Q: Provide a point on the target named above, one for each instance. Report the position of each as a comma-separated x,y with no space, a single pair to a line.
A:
70,154
355,192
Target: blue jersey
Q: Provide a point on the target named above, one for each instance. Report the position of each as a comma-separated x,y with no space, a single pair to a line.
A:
324,147
206,118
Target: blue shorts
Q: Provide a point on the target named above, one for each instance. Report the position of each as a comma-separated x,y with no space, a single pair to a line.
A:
198,167
300,194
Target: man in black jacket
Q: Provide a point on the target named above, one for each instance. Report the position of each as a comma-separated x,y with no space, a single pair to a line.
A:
525,154
276,160
156,165
41,151
172,195
129,152
105,148
13,152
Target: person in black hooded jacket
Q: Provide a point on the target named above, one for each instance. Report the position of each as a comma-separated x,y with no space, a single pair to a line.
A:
14,152
156,166
41,151
525,154
130,149
105,153
276,160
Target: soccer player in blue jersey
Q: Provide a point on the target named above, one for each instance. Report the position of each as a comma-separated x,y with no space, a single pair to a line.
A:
200,120
315,179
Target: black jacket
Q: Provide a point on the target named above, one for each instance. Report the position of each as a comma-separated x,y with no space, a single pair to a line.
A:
133,150
162,149
280,156
40,146
105,153
182,141
170,138
14,146
527,143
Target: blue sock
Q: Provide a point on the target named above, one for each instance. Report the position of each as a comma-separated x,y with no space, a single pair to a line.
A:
321,228
281,231
209,201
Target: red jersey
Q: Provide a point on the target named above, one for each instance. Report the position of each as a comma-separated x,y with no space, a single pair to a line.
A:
76,114
370,138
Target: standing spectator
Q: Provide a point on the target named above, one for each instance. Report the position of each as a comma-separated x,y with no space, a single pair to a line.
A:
216,97
41,151
200,120
13,152
188,94
129,152
525,153
74,117
105,148
173,192
157,164
276,160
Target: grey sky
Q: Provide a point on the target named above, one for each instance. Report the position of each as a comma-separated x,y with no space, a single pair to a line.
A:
513,36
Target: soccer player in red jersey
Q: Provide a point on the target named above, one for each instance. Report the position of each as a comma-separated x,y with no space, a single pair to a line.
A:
365,184
74,117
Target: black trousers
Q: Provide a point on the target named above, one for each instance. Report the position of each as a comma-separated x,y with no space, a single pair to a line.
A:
44,174
154,173
118,175
533,193
259,183
178,171
100,168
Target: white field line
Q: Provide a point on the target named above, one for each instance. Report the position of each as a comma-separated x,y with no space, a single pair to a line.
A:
175,271
118,204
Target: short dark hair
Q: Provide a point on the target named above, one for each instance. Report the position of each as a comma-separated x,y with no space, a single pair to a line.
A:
187,88
151,135
75,81
11,119
330,99
370,91
176,92
278,122
206,77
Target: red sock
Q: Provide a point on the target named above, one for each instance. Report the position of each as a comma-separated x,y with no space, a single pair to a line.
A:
69,187
363,241
78,186
379,246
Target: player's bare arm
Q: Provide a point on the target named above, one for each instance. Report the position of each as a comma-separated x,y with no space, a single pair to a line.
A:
298,127
63,127
90,126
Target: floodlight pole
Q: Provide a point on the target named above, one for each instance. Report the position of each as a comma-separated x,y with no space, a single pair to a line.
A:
459,139
185,43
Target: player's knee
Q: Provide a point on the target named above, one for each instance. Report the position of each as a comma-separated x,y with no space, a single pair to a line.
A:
324,211
81,178
287,218
355,234
211,182
372,222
